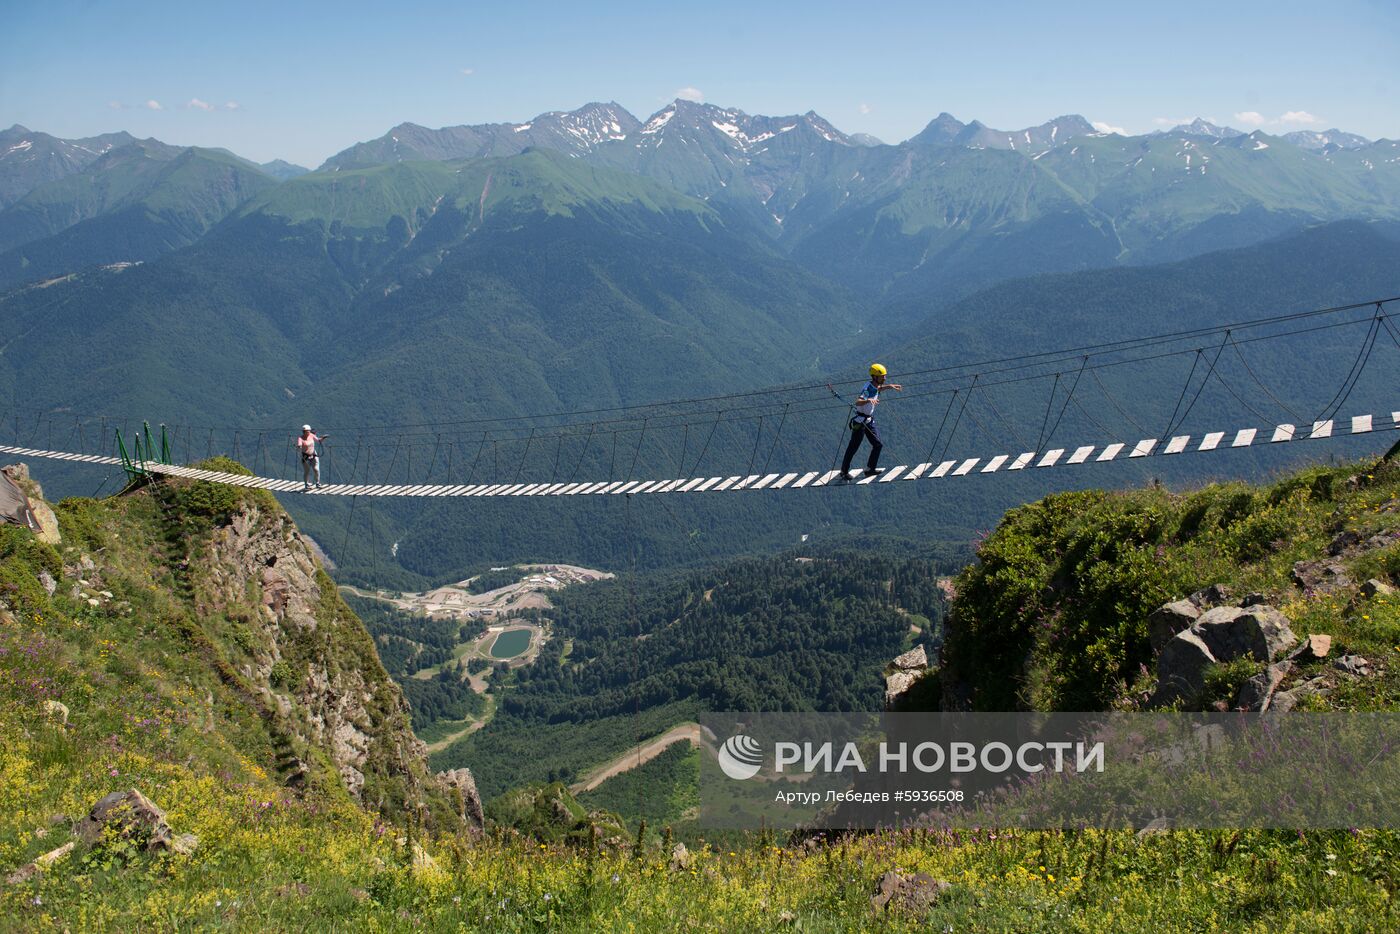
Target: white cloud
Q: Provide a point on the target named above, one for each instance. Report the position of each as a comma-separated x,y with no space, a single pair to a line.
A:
865,108
1168,121
197,104
116,105
690,94
1109,128
1251,118
153,105
468,71
1298,116
233,105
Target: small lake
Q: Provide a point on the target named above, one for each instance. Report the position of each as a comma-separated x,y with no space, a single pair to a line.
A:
510,643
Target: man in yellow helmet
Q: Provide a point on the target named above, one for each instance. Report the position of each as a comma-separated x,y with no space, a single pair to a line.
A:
863,422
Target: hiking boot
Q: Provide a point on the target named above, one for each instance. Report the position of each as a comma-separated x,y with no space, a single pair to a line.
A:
846,476
874,471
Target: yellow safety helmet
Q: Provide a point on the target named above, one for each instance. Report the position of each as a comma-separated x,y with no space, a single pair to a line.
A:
877,369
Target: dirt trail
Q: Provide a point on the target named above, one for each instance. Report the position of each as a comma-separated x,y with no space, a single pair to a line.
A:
638,755
471,727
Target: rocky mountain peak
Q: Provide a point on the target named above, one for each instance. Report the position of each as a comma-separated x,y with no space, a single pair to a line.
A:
1203,127
1326,140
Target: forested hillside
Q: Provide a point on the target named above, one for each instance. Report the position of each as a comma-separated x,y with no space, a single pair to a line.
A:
133,203
630,657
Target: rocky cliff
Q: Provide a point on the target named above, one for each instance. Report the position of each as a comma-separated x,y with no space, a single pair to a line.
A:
227,576
301,646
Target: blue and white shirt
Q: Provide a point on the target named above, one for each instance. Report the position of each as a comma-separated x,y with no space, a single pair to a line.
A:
871,394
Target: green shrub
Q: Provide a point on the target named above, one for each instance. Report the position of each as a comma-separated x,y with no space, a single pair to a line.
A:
282,675
1222,681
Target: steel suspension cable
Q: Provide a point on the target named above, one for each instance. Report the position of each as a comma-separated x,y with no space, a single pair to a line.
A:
1361,356
1288,410
1195,362
1218,351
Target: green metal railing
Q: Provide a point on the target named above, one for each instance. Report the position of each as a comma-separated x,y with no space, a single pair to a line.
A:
143,451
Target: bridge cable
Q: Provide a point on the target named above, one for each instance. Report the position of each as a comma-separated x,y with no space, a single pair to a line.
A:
954,430
582,454
1195,362
1357,366
437,442
392,461
1359,370
641,438
1288,410
757,436
778,434
1073,386
472,475
1049,403
525,455
951,399
706,445
1199,389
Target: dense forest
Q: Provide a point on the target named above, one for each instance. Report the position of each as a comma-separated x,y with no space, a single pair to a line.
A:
785,633
409,643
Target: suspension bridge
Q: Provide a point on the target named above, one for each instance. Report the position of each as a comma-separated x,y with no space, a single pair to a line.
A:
792,480
1068,375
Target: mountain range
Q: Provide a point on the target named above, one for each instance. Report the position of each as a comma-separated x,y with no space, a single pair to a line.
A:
956,207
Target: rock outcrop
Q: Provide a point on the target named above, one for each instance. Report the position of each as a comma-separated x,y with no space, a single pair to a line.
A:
1168,620
460,785
38,508
1220,634
313,662
131,816
1259,632
1315,647
901,674
904,893
1257,693
29,870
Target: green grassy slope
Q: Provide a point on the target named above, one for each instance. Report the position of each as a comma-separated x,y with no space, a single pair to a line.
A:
1053,614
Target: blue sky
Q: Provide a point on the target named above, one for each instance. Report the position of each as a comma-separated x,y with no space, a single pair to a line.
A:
302,80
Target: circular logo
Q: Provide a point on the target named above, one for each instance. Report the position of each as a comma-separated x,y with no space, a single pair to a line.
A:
740,757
